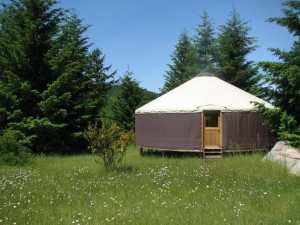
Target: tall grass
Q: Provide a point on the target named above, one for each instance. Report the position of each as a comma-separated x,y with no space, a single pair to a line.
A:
149,190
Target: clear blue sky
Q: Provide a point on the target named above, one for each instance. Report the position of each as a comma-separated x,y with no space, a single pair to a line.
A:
141,34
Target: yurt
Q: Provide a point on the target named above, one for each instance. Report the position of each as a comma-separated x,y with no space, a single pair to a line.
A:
203,113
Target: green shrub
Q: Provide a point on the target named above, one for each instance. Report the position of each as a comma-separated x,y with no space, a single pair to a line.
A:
283,125
109,142
13,148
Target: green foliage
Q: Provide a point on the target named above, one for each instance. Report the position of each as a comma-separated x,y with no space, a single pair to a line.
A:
283,125
289,129
128,99
100,81
292,138
271,117
113,107
109,142
224,55
283,80
76,97
14,148
51,87
45,136
205,44
27,29
234,44
184,65
149,95
291,19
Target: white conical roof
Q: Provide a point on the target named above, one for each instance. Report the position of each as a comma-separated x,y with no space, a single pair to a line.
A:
203,92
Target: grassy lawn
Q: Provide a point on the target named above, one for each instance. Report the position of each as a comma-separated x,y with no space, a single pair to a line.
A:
149,190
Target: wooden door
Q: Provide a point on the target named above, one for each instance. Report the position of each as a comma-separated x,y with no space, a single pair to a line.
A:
212,129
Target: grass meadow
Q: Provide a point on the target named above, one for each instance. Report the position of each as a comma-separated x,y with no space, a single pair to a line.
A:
239,189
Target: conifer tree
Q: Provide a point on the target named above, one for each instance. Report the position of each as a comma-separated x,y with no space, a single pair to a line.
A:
283,79
205,44
129,98
100,80
61,100
184,65
51,87
234,45
27,28
77,97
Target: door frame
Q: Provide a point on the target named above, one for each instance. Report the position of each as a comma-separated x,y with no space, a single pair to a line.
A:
220,124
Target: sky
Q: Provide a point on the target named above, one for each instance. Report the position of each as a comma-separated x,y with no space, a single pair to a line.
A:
142,34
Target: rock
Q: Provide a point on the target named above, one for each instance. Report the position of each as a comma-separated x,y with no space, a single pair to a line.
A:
286,155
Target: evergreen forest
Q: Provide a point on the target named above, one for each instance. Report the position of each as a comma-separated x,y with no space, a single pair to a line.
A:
54,83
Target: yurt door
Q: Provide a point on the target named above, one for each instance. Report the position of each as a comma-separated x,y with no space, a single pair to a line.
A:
212,129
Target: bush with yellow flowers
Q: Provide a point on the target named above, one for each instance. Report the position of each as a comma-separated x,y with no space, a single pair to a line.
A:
109,142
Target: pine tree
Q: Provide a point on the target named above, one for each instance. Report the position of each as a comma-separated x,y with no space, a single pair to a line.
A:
9,101
234,44
60,99
130,97
283,78
205,44
184,65
77,97
52,86
100,80
27,28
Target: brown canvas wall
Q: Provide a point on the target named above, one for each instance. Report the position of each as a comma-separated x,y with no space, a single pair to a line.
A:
168,131
245,130
240,131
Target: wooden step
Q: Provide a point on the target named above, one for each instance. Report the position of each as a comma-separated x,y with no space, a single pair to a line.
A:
212,148
211,153
213,157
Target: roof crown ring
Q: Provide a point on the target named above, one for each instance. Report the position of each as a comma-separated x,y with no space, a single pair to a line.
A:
205,74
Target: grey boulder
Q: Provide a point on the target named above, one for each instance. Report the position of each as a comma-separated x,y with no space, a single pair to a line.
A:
286,155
